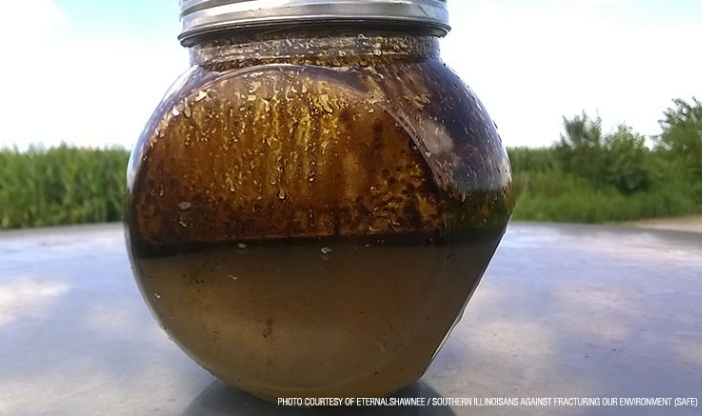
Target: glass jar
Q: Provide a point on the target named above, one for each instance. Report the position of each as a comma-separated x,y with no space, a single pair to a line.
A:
312,205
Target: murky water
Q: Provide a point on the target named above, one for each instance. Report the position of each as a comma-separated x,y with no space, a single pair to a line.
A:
314,317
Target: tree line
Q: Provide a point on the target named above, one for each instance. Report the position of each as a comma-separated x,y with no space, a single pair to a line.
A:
602,172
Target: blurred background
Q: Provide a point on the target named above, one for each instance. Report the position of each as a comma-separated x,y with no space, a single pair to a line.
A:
595,100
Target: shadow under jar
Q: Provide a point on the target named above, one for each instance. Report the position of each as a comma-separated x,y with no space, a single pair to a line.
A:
312,205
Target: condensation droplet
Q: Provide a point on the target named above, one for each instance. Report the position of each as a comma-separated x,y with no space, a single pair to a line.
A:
157,296
201,95
184,206
326,104
187,111
242,246
326,251
281,193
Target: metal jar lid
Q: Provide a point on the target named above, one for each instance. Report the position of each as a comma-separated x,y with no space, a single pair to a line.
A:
204,17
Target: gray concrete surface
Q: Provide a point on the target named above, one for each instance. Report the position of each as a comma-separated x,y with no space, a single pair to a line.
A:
564,311
691,224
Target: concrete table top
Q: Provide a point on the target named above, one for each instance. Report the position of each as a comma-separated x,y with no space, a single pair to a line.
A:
563,311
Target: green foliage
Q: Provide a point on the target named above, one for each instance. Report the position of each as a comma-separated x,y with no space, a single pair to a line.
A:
626,161
562,197
581,149
613,177
528,159
681,140
61,186
618,159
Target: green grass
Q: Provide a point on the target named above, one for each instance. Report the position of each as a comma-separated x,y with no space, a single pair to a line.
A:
65,185
61,186
547,193
559,197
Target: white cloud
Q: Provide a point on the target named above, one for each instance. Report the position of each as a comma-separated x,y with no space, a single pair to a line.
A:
90,91
532,68
29,18
596,3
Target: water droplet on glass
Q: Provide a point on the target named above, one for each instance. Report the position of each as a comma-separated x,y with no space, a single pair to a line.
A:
326,251
324,101
242,246
255,86
281,193
187,111
184,206
157,296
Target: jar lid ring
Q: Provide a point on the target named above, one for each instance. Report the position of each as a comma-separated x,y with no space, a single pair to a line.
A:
206,17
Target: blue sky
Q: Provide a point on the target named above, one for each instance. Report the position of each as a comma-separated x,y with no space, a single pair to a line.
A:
91,72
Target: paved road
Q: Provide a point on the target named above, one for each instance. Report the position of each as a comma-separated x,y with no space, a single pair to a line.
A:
564,311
